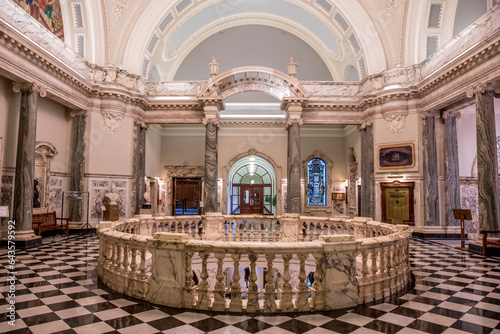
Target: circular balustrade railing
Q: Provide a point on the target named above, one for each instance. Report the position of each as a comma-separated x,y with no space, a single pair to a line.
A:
199,262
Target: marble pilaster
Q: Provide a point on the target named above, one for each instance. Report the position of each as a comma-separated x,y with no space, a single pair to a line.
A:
77,162
367,172
431,212
139,167
353,171
452,170
293,158
487,163
211,122
22,212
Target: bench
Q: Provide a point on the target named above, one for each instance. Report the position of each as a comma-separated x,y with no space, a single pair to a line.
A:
487,242
48,221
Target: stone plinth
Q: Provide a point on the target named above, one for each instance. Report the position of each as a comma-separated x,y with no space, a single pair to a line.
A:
168,270
112,212
214,224
290,228
341,284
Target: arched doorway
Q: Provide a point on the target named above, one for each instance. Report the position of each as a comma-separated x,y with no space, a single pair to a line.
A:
251,187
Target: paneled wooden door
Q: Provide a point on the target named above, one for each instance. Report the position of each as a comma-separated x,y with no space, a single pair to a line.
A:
251,199
187,196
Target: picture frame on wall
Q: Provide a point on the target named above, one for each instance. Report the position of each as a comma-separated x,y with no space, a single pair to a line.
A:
399,156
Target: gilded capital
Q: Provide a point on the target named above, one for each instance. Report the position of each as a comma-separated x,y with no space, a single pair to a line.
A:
29,87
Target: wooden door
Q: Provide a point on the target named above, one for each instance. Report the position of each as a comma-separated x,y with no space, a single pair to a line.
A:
187,196
397,203
251,199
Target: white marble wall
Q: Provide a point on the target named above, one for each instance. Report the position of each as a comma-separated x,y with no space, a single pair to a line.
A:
98,187
57,185
469,200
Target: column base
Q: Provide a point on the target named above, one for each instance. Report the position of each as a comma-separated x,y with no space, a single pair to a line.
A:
437,232
23,240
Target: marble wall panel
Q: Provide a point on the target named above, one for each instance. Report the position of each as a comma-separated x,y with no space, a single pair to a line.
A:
469,200
98,187
6,197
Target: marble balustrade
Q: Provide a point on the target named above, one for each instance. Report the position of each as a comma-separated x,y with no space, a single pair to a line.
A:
354,261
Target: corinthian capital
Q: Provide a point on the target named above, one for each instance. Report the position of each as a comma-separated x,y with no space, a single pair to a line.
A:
480,88
29,87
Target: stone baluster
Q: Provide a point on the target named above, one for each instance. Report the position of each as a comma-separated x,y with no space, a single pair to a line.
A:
241,228
265,235
125,263
188,293
252,236
219,288
270,290
236,304
286,304
253,289
133,262
109,254
373,256
112,267
203,300
142,265
318,291
119,257
302,302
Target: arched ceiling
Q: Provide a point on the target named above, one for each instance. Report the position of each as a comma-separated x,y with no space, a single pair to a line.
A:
349,39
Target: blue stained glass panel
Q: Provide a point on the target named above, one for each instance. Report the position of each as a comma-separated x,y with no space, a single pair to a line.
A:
316,182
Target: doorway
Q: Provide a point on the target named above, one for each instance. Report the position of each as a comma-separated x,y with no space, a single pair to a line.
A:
251,199
187,196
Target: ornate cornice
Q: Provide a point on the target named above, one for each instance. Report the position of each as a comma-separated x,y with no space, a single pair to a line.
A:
29,87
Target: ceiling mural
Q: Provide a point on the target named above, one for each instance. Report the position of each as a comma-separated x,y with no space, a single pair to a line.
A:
47,12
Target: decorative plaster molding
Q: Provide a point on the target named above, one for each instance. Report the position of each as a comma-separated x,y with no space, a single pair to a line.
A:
119,10
395,123
30,87
112,122
390,8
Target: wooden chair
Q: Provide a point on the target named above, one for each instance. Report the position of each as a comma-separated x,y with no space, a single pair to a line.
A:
487,242
48,221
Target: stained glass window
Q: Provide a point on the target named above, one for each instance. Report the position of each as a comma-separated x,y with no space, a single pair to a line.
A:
316,182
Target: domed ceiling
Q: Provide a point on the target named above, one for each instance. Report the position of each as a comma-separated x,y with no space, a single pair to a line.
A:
337,40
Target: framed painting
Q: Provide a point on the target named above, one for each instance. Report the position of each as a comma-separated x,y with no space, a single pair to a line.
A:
396,156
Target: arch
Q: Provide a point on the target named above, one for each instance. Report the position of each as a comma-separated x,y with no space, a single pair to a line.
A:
44,152
266,162
253,78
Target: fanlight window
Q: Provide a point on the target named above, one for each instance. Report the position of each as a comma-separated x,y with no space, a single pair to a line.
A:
316,182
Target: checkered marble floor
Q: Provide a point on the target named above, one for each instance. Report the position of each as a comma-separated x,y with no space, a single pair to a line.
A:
57,291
